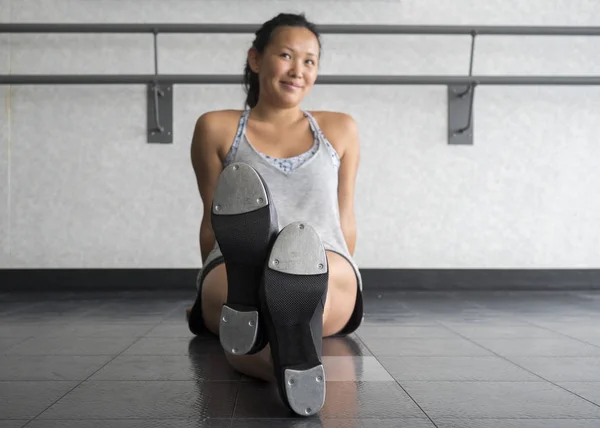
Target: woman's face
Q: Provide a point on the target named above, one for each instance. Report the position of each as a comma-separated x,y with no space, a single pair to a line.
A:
288,67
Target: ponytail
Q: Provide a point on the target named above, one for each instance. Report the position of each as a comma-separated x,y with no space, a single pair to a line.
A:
251,86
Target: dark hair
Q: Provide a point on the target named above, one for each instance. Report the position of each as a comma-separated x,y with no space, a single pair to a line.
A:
263,37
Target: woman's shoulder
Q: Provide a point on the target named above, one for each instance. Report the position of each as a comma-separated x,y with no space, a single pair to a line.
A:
332,118
217,128
334,123
219,122
220,117
339,128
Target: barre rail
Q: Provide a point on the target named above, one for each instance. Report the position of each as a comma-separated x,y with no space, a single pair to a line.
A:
461,89
89,79
325,29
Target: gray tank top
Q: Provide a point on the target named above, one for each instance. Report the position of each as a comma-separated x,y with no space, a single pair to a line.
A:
303,188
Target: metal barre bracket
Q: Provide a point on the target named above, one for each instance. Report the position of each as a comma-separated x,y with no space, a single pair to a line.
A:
460,127
160,113
460,107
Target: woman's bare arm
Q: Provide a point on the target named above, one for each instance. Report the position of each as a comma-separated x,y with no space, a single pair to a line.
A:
207,164
342,132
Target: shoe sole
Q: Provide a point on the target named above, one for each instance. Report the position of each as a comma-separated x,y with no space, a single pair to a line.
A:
293,296
245,225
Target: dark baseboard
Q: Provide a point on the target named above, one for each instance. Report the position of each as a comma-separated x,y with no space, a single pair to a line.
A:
177,280
95,280
482,279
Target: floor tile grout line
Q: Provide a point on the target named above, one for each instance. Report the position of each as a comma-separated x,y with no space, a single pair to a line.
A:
566,335
526,322
527,370
25,339
536,326
531,324
100,368
78,319
235,401
181,419
223,419
543,418
211,381
22,308
398,383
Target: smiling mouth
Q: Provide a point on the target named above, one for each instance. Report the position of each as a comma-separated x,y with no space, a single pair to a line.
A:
291,85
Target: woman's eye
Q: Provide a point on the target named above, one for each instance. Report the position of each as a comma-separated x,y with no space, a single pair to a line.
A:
285,55
311,62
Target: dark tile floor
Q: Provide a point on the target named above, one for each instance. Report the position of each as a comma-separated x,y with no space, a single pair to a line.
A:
447,360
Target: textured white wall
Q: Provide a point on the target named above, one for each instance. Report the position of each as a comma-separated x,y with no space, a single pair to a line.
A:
82,188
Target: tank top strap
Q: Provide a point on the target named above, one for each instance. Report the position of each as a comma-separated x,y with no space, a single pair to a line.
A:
318,133
314,126
238,136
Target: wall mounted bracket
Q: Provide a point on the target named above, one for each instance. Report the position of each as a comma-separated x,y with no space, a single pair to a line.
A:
160,105
460,106
160,113
460,114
